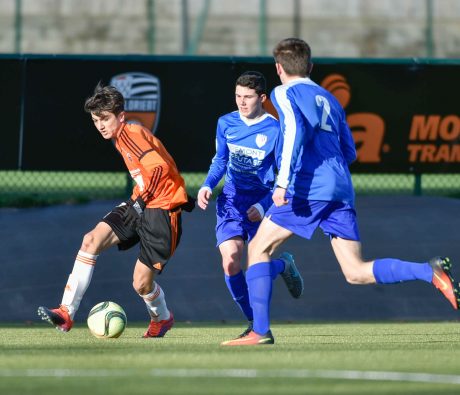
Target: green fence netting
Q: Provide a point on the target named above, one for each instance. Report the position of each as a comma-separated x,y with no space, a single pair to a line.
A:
32,188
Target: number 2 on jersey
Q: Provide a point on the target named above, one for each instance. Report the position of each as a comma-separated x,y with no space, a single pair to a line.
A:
321,101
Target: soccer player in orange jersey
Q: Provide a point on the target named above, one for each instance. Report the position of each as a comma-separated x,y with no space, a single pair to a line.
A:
151,217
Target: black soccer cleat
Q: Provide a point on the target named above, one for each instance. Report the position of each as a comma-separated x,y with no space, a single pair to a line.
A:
247,331
291,276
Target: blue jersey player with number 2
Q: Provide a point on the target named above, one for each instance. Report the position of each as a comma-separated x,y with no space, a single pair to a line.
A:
314,189
247,141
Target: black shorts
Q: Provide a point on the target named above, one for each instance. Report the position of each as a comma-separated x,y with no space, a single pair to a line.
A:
158,233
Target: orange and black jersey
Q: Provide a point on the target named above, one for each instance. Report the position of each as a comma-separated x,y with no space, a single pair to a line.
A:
158,181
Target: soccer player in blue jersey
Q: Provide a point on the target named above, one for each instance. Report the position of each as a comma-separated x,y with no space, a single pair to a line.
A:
246,144
314,189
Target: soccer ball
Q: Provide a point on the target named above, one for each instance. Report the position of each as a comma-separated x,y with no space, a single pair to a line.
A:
107,320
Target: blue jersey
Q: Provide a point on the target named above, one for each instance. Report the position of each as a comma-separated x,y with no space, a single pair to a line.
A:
245,153
317,145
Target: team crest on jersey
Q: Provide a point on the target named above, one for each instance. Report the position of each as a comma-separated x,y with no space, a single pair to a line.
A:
142,97
261,140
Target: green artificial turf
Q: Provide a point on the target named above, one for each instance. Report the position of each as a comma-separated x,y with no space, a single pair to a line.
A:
307,358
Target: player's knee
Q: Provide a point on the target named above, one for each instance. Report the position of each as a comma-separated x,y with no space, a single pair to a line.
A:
142,285
231,264
356,277
232,268
89,241
351,279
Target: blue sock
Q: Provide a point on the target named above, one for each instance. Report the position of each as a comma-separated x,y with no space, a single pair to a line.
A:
259,281
277,267
390,271
238,288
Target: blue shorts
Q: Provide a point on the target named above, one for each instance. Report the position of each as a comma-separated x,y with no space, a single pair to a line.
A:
302,217
232,220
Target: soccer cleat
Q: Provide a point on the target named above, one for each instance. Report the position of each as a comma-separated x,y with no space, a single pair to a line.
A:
291,275
443,280
251,339
247,331
158,329
59,317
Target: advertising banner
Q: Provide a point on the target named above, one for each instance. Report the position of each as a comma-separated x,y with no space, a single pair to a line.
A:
404,117
10,105
403,114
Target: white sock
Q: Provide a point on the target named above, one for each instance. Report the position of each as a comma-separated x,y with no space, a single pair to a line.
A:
156,304
78,281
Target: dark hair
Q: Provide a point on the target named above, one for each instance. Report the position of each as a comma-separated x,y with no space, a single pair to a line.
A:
294,55
253,80
105,99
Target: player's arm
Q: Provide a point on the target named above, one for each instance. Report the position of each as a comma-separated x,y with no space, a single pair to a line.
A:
279,197
152,174
203,197
257,211
152,171
292,130
347,143
217,168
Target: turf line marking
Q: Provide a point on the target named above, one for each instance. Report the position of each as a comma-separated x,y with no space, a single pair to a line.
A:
239,373
306,373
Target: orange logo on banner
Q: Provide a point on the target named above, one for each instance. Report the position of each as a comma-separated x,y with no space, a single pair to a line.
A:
426,131
432,137
368,128
142,97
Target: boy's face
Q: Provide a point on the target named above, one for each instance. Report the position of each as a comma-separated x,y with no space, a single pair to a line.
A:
108,124
248,101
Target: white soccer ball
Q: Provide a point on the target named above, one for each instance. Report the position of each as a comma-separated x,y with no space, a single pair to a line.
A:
107,320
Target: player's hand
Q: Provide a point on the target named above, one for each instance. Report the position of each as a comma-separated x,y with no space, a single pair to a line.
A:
279,197
133,212
254,215
204,194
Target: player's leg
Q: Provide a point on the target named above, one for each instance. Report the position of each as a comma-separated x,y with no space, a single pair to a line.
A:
259,278
94,242
392,271
339,221
284,264
348,254
160,232
233,229
161,319
262,270
231,251
232,254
